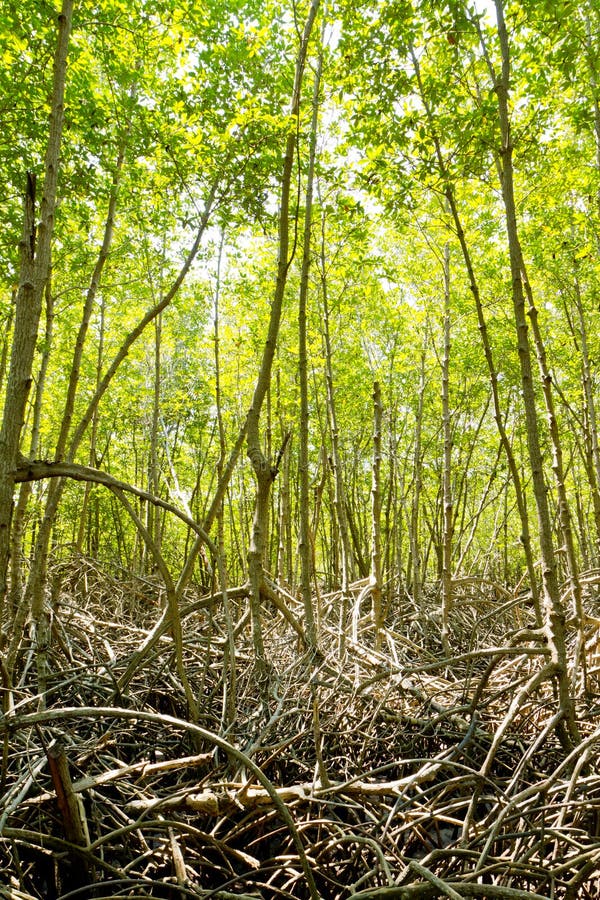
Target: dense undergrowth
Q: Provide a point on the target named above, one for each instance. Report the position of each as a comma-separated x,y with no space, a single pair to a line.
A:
363,773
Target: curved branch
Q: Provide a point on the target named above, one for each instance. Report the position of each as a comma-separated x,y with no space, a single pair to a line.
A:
10,723
37,469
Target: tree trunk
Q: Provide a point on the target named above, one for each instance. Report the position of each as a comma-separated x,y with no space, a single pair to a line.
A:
34,269
263,470
93,456
376,517
229,662
448,522
414,538
590,409
37,577
489,357
339,494
558,468
153,519
17,535
305,543
553,608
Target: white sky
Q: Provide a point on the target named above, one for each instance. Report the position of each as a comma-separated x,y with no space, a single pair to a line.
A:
488,7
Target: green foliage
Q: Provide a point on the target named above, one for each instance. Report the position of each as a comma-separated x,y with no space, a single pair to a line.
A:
194,95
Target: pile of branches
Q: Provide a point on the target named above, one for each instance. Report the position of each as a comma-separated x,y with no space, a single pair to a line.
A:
356,773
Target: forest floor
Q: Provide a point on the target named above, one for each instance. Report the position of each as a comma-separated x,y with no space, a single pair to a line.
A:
391,773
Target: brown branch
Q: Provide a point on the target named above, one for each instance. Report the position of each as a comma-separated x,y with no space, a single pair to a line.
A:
37,469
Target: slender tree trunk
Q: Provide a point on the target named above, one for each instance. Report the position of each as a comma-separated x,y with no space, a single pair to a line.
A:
553,608
34,269
376,517
318,487
448,524
153,519
590,408
558,468
415,542
357,534
283,528
393,513
17,551
489,357
229,661
339,495
218,402
305,543
94,456
263,470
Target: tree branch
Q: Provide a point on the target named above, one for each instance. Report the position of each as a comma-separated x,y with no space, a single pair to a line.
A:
35,470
